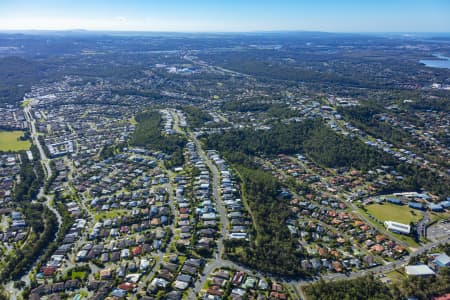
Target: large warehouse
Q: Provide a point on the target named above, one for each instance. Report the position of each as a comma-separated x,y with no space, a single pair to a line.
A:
397,227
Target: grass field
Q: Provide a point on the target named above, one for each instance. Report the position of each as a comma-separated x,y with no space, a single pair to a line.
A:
396,276
435,217
9,141
102,215
26,102
132,121
78,275
391,212
405,238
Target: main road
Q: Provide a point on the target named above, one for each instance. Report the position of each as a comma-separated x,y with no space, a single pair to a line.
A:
34,137
218,261
44,160
13,293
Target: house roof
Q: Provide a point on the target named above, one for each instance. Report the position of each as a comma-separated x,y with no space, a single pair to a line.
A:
395,226
442,260
418,270
443,297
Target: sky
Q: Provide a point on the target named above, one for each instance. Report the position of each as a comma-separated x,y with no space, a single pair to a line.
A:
227,15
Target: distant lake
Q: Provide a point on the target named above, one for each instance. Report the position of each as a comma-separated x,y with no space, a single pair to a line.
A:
441,62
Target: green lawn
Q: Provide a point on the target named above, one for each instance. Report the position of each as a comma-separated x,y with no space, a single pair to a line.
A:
391,212
78,275
26,102
9,141
435,217
132,121
396,275
405,238
102,215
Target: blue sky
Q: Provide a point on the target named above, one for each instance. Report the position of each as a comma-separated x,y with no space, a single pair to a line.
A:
228,15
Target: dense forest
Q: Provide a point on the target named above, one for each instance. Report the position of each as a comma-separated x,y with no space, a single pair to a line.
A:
272,110
42,221
365,118
16,77
196,117
44,227
360,288
431,103
271,248
149,134
311,137
267,64
371,288
416,179
331,66
252,105
31,177
326,148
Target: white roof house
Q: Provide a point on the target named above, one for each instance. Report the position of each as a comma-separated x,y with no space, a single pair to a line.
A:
419,270
397,227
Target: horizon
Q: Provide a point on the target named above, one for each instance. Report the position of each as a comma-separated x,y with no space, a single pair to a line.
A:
81,31
232,16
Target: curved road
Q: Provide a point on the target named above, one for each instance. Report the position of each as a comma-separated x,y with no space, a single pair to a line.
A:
219,261
294,285
13,293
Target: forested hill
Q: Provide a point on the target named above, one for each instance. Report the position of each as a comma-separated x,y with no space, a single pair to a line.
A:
327,148
16,77
149,134
311,137
369,287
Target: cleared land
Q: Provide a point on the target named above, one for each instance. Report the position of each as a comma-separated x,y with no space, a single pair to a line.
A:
395,275
9,141
391,212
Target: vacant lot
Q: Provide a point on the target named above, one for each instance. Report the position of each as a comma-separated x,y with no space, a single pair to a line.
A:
391,212
9,141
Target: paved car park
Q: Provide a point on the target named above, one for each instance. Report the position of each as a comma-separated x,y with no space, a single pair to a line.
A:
438,230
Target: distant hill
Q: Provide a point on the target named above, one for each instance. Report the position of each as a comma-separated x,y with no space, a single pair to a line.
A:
16,77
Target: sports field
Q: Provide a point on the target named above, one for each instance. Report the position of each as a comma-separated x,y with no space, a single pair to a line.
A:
9,141
391,212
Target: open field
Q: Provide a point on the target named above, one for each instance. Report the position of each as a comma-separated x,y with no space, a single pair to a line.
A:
102,215
394,276
132,121
78,275
436,217
391,212
379,225
26,102
9,141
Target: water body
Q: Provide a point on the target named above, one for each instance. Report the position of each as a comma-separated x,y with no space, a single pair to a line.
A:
440,62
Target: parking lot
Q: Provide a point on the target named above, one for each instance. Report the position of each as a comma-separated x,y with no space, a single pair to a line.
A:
438,230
